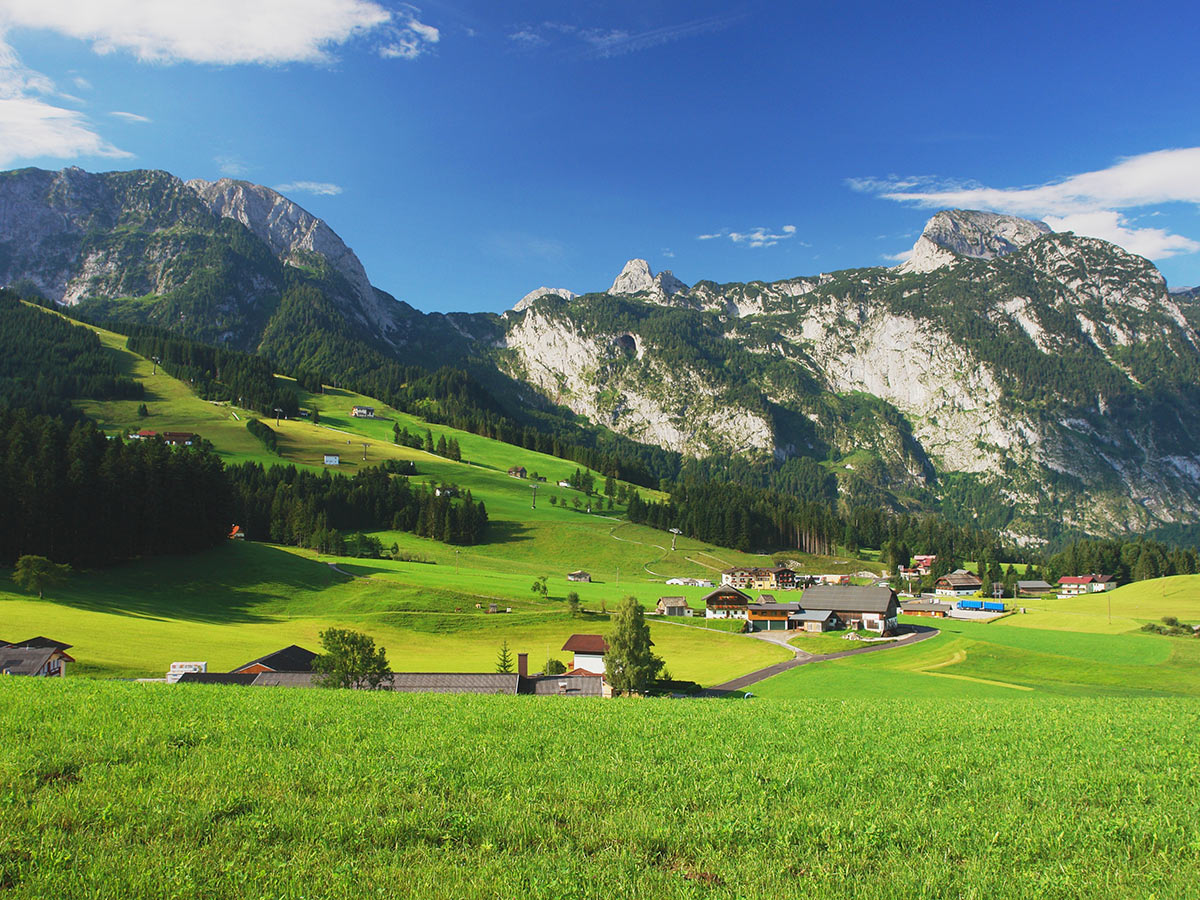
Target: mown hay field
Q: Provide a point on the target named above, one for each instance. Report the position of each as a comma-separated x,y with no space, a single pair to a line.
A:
127,790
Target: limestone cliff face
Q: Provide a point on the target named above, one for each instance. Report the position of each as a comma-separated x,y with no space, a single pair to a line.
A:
956,233
1026,371
617,380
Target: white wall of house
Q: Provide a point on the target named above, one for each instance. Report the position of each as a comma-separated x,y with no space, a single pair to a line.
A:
592,662
711,613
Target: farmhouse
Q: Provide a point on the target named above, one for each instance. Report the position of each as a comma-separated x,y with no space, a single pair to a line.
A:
579,575
332,459
673,606
957,584
289,659
589,650
362,412
180,438
1033,588
517,472
936,609
38,657
870,608
1077,585
923,564
760,578
726,602
814,620
771,616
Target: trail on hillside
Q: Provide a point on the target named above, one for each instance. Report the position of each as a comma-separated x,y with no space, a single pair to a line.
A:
646,566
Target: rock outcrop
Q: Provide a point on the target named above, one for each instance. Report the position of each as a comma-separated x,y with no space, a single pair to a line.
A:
967,232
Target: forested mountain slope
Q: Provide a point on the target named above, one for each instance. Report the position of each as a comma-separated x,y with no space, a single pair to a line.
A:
1032,382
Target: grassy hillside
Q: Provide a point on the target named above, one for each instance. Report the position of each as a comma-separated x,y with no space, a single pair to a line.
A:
551,538
232,604
151,791
1005,659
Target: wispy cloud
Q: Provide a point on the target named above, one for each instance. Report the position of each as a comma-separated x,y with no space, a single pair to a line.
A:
318,188
33,126
231,165
755,237
409,37
1090,203
264,31
605,42
128,116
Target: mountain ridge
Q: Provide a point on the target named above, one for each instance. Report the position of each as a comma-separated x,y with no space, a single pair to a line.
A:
1044,381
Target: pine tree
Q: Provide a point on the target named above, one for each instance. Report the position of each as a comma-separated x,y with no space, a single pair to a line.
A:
504,662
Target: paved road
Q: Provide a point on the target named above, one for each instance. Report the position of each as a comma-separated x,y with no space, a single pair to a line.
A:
919,632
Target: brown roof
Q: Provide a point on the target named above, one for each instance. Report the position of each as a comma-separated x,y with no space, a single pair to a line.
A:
672,601
586,643
849,598
726,593
960,579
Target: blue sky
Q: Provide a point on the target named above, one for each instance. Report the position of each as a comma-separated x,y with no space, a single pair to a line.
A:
470,152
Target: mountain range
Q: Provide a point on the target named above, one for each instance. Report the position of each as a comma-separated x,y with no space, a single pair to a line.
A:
1032,382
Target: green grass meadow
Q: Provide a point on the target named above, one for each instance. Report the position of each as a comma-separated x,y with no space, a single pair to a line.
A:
151,791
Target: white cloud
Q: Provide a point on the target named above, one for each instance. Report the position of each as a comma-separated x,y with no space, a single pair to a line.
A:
1089,203
128,116
1110,225
320,188
755,237
610,42
31,128
225,32
82,83
231,165
409,37
668,253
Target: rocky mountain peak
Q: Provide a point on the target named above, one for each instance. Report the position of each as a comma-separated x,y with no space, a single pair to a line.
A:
290,230
634,278
637,278
529,299
952,233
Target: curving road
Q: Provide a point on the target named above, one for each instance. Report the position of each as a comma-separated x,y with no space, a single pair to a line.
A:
920,633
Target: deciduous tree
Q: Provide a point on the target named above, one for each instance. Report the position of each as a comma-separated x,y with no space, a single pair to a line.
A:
351,660
629,663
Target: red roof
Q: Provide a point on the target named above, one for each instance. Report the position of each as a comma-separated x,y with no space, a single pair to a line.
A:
586,643
146,432
1076,579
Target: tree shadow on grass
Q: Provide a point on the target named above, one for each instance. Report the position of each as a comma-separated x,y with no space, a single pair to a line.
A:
506,532
225,585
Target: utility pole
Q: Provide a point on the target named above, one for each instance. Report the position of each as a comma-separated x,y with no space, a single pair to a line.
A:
278,412
675,532
534,486
456,562
364,451
156,362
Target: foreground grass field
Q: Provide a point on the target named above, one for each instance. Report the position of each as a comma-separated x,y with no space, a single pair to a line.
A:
152,791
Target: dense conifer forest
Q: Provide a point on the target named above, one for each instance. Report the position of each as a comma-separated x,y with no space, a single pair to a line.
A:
69,493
